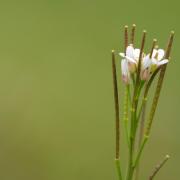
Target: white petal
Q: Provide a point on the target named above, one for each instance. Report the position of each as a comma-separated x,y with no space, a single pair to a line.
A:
154,61
136,53
125,71
154,53
165,61
160,54
131,59
124,67
122,54
146,62
130,51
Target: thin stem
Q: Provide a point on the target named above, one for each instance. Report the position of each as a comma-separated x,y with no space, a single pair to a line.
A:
141,131
150,82
126,103
153,46
158,167
118,167
138,84
130,170
133,33
116,103
140,56
138,95
131,140
136,121
140,151
127,89
129,94
133,79
125,38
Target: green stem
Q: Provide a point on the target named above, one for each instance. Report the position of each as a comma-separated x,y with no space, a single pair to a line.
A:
141,132
133,129
144,101
130,170
126,103
137,100
158,167
133,79
118,167
131,147
140,151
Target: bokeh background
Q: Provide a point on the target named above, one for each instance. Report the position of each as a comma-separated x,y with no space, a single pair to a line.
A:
56,96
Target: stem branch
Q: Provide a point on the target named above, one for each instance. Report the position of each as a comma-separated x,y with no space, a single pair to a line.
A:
158,167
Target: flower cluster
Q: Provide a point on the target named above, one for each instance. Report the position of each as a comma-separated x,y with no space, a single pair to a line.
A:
149,63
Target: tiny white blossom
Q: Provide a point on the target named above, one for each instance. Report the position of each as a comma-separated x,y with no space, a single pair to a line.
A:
158,59
149,65
125,71
146,67
132,57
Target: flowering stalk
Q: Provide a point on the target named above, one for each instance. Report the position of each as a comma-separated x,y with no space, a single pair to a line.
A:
137,90
139,71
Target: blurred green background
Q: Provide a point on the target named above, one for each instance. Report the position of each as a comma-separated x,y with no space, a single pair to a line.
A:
56,97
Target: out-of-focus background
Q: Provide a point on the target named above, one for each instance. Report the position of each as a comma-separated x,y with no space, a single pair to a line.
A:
56,97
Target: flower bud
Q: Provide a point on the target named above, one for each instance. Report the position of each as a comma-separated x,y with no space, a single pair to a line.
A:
145,74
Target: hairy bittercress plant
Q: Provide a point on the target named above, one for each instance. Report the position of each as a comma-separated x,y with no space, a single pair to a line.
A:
139,69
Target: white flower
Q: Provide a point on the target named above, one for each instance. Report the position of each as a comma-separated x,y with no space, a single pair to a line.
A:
158,59
125,71
132,57
146,67
149,65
